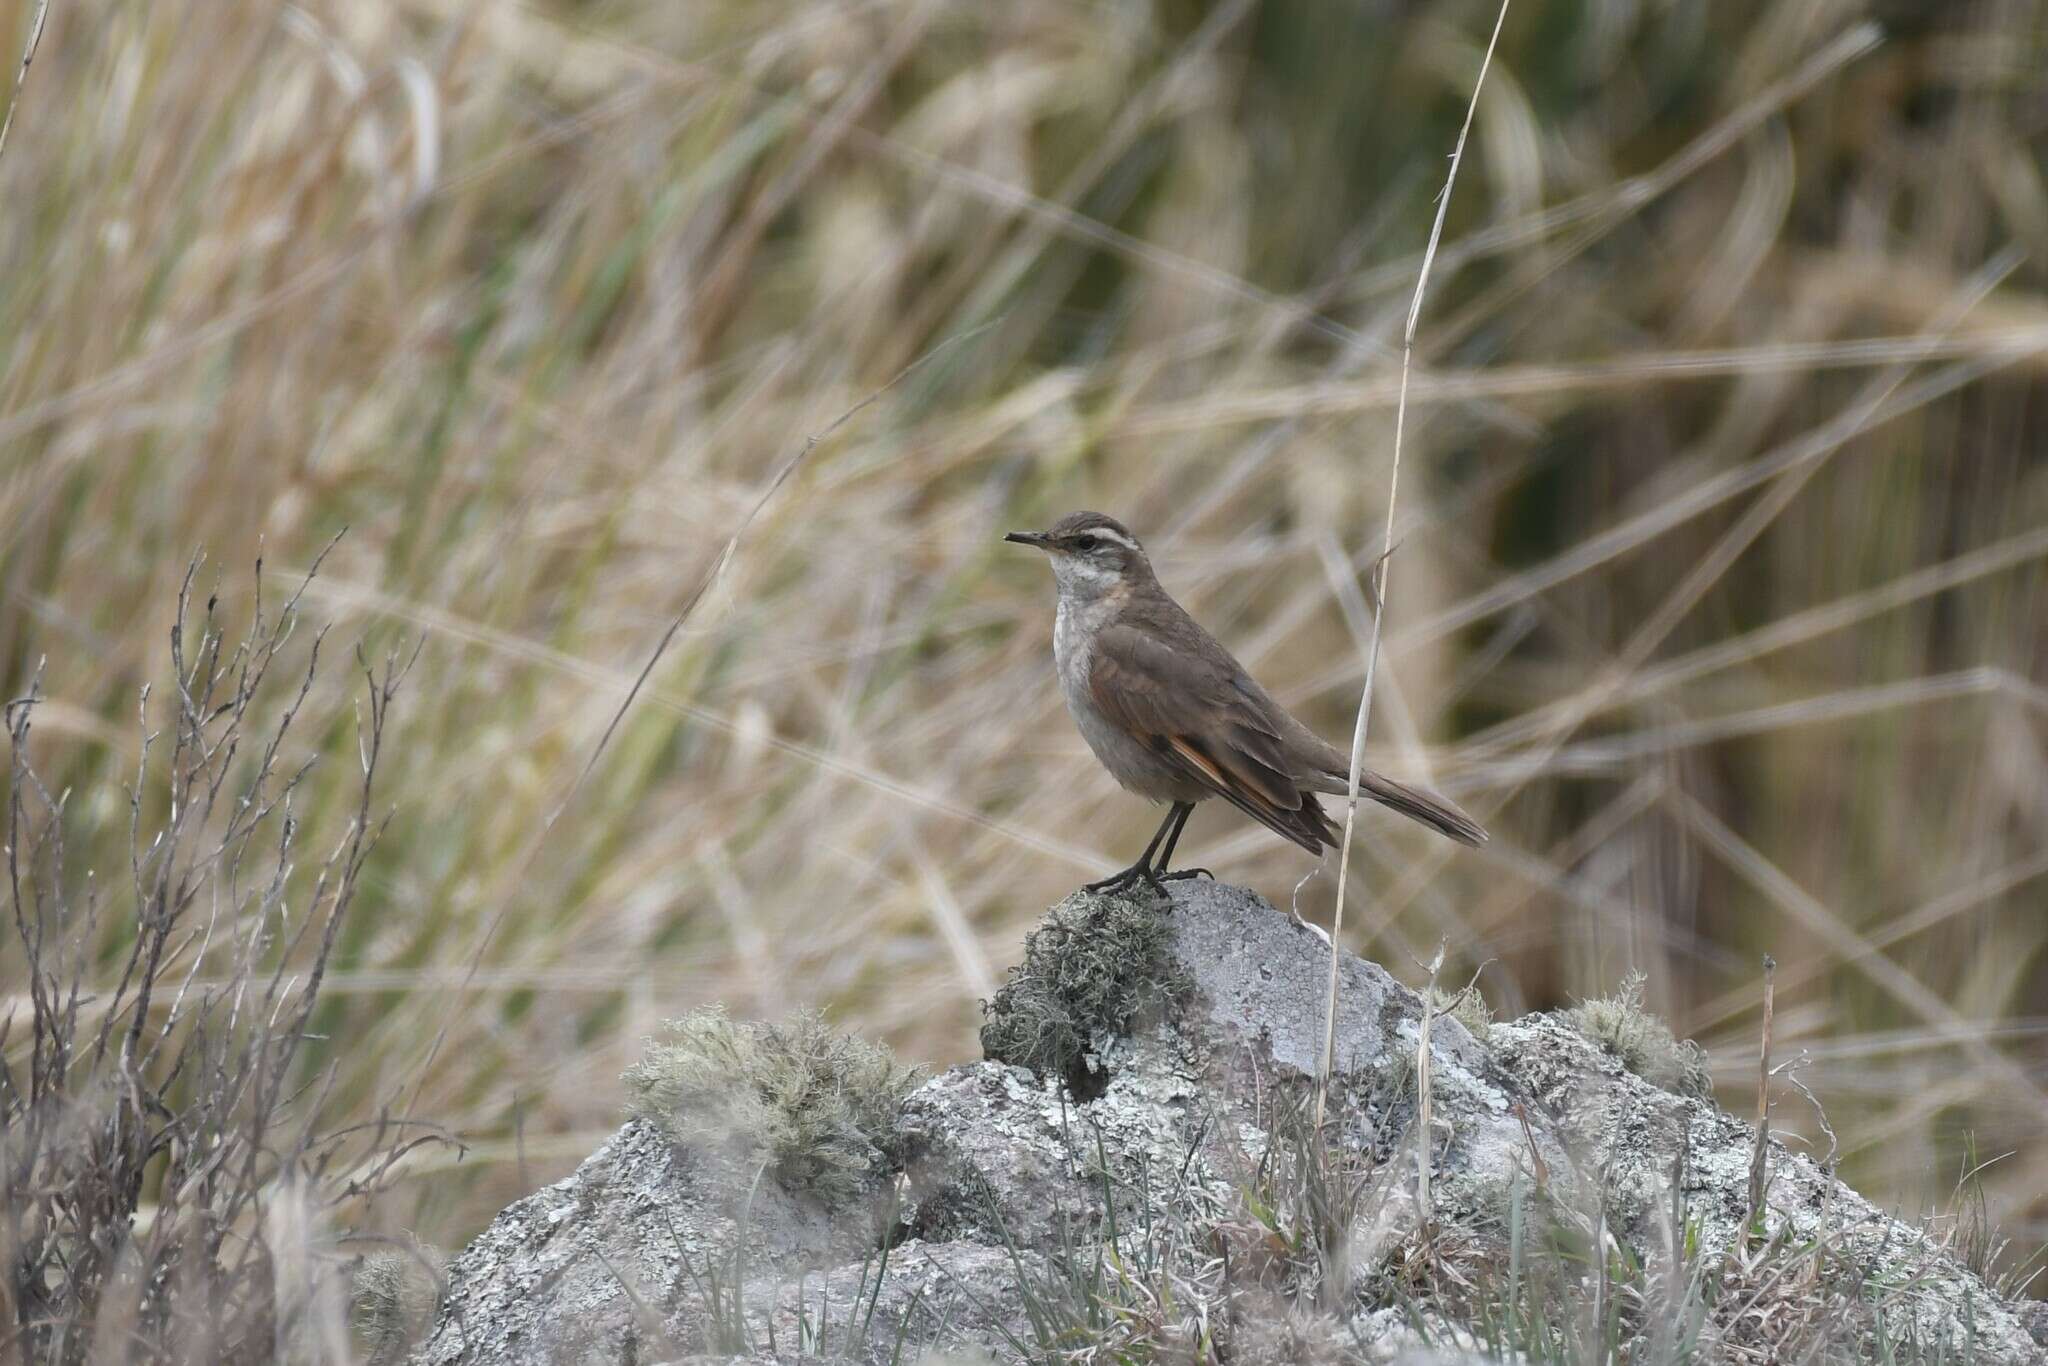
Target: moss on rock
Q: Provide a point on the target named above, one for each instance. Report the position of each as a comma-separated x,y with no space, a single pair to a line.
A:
814,1107
1089,971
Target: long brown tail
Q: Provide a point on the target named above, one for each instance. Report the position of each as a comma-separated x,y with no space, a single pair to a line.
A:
1417,804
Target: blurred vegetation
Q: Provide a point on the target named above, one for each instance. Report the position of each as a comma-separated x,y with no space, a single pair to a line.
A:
814,1107
1719,586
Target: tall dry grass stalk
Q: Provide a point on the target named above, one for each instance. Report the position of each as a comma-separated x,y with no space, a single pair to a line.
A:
1383,566
1736,643
28,56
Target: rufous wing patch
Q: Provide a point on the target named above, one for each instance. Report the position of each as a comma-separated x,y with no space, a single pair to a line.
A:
1185,748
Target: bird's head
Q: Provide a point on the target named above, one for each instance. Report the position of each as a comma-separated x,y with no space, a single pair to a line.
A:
1092,555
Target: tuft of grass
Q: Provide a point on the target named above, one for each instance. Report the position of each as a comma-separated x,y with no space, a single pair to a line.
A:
397,1292
1644,1043
1091,969
814,1107
1974,1239
1466,1006
1138,1294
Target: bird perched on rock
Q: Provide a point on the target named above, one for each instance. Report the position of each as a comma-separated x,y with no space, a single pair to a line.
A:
1175,718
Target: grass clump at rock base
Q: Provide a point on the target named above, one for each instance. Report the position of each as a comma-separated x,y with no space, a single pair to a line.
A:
814,1107
397,1294
1644,1044
1089,971
1275,1283
1467,1007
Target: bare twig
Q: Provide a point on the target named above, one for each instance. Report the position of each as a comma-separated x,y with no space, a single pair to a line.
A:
1759,1161
1536,1162
1791,1070
188,1089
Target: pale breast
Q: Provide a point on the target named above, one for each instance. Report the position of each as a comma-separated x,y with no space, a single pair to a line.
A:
1128,761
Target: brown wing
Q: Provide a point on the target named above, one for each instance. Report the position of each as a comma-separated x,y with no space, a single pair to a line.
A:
1186,705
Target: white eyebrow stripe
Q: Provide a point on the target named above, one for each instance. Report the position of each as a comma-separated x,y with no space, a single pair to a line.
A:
1106,534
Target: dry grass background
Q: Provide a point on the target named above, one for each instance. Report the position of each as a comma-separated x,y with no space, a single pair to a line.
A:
1722,587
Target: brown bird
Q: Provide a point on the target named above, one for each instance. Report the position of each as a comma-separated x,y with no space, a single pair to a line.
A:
1175,718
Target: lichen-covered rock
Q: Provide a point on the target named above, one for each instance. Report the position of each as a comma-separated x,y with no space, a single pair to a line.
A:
1093,968
960,1298
1154,1187
1180,1109
604,1265
1643,1138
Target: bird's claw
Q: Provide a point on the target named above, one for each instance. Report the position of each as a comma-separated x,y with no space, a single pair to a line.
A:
1127,879
1187,873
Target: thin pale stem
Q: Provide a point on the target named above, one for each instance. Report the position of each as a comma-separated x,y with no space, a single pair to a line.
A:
1372,656
28,55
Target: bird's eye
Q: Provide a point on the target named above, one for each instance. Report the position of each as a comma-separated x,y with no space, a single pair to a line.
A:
1086,542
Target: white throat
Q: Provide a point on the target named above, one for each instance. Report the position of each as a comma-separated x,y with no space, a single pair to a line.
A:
1082,580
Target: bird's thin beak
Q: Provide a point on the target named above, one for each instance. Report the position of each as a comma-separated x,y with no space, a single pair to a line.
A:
1037,538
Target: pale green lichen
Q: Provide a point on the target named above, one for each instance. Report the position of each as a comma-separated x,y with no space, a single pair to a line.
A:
1644,1044
815,1108
397,1293
1089,971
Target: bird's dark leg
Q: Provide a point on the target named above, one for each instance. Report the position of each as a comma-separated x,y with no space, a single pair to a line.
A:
1142,870
1182,810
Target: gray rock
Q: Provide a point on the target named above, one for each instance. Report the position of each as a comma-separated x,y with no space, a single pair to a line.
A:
1642,1138
959,1298
604,1265
1151,1194
1189,1101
